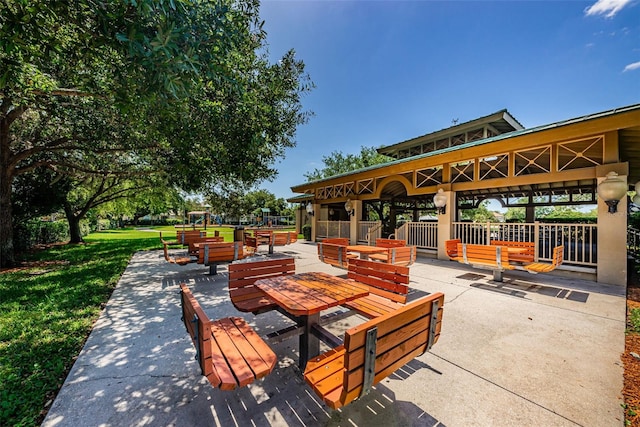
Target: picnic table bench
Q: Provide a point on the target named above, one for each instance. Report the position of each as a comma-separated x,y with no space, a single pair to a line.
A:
212,254
374,350
397,253
527,254
179,260
388,287
451,247
244,295
183,237
284,238
269,238
230,353
495,258
194,242
542,267
334,251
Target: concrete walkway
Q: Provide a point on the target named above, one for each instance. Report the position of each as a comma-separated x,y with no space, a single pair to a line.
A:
532,350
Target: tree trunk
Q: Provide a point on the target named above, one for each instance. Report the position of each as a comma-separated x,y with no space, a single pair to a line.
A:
75,236
7,255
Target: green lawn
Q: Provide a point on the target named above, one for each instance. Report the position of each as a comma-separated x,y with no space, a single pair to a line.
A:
47,312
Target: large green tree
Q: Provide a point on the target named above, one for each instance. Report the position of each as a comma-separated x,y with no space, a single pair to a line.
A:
338,163
195,96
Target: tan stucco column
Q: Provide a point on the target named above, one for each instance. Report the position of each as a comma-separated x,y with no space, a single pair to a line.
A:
612,235
314,223
445,224
353,225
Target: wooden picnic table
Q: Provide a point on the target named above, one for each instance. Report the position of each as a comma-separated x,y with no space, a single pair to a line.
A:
303,296
365,250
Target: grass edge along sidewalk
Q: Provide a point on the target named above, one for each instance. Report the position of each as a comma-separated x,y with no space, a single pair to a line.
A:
47,310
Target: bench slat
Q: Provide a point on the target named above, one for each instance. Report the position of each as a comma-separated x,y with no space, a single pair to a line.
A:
325,373
373,306
540,267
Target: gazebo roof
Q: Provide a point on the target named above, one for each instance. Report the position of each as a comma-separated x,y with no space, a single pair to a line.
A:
629,145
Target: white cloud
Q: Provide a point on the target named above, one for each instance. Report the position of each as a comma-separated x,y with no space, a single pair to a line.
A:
631,67
608,8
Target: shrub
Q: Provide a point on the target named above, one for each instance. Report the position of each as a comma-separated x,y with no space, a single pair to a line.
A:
306,231
35,232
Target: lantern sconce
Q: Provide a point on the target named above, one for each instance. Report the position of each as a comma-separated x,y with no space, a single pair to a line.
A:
440,200
611,190
348,206
310,208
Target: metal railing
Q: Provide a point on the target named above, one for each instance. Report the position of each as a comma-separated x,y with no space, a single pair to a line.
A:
368,231
481,233
633,242
333,229
579,240
421,234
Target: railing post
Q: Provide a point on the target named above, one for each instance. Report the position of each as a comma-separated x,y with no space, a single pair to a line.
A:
488,235
536,239
353,221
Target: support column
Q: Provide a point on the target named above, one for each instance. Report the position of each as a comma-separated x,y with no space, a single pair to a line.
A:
354,219
314,222
445,224
530,214
612,235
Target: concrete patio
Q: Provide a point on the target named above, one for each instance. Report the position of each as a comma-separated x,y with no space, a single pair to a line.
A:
532,350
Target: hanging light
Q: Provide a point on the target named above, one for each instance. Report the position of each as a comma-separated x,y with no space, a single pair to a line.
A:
310,208
611,190
348,206
440,200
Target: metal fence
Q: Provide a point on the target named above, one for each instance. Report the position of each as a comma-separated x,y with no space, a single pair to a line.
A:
421,234
369,231
333,229
633,242
579,240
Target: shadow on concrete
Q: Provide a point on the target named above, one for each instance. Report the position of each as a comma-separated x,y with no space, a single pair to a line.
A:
520,289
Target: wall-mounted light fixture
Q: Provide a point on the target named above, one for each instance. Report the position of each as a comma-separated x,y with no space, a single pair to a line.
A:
611,190
310,208
348,206
440,200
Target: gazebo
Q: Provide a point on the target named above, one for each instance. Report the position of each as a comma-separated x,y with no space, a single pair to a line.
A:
495,157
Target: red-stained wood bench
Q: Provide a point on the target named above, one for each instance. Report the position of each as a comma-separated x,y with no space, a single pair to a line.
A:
495,258
334,254
230,353
451,246
542,267
284,238
250,244
193,248
242,276
183,237
374,350
388,287
212,254
398,252
343,241
528,250
179,260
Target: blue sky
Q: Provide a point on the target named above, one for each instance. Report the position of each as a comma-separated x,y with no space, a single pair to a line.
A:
388,71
